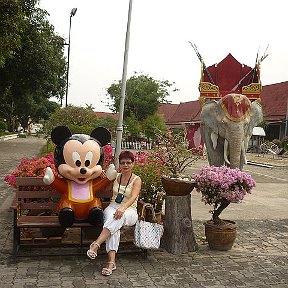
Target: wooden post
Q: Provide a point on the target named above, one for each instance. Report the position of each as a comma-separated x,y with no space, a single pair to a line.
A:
178,237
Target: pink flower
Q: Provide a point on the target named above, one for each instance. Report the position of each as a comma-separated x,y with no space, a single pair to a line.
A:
218,183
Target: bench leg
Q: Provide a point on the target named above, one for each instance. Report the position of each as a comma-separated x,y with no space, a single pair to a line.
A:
16,235
145,253
81,237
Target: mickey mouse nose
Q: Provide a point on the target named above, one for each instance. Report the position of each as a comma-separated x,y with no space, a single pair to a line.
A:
83,171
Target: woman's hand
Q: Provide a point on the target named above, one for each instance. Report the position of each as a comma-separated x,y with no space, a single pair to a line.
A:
119,213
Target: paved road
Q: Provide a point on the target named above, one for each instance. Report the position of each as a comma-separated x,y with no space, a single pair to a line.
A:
269,199
259,257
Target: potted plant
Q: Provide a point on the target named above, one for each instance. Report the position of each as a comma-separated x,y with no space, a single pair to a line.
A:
219,187
175,155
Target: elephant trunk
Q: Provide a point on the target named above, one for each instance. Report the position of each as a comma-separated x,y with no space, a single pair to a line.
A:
235,147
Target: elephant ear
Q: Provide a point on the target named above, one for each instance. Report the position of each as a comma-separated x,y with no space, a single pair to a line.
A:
255,118
212,116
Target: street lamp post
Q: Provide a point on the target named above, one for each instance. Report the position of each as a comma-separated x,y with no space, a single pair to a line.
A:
73,12
119,131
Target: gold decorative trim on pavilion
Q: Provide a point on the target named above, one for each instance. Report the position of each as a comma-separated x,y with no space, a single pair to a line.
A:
209,90
201,101
252,91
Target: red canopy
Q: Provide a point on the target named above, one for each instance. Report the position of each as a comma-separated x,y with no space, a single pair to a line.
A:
230,76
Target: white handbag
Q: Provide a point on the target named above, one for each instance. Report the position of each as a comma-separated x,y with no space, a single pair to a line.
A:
147,235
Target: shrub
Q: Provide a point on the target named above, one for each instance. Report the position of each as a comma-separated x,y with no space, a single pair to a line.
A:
150,169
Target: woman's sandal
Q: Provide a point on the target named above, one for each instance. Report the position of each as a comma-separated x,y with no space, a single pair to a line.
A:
106,271
91,253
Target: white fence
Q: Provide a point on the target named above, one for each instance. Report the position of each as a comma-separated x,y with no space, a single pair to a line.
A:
136,145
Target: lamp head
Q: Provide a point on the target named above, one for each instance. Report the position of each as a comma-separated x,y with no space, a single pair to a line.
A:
73,11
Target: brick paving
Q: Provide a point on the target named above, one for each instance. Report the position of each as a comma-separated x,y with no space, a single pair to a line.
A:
259,257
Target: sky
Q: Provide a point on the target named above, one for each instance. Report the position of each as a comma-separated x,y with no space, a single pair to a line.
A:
160,31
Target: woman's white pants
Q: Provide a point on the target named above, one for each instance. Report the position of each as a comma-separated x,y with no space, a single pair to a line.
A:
129,218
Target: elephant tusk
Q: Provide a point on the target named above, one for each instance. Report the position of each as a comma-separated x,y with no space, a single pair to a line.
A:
225,152
214,138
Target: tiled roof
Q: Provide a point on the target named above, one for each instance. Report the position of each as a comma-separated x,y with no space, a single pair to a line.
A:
105,114
186,112
167,110
274,101
179,113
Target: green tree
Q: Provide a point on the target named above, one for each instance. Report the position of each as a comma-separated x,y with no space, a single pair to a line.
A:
11,28
132,127
36,70
77,119
108,122
153,123
143,96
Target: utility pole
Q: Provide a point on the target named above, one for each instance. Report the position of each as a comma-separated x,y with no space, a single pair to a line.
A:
72,13
119,131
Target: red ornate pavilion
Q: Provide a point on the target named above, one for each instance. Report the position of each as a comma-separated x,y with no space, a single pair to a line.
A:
229,76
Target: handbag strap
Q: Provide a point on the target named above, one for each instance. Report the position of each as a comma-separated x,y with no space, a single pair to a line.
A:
143,213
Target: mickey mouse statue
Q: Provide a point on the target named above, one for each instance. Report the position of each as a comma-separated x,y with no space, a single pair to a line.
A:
78,159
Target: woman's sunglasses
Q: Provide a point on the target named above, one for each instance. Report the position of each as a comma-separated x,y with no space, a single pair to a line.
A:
126,162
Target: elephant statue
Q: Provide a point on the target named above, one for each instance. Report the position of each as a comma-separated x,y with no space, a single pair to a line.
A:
226,127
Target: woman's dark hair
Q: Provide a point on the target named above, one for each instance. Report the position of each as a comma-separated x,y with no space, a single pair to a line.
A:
126,155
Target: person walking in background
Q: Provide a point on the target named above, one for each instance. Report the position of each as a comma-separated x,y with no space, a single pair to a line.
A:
122,211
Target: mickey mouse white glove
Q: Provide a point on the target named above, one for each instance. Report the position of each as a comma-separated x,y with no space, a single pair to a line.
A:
49,176
111,172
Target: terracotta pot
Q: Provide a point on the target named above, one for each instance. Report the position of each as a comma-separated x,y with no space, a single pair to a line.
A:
220,236
177,187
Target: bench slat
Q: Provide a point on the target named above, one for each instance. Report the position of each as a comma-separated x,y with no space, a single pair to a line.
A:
37,194
38,206
38,221
44,221
30,181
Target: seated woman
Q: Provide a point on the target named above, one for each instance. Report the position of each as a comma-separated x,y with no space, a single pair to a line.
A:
121,211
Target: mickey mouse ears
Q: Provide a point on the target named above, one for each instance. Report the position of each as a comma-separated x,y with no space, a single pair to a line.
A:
61,133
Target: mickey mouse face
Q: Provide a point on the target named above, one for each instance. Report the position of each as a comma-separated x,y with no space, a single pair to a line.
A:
77,156
80,161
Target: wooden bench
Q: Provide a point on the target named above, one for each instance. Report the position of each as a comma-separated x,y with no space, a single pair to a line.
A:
34,215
